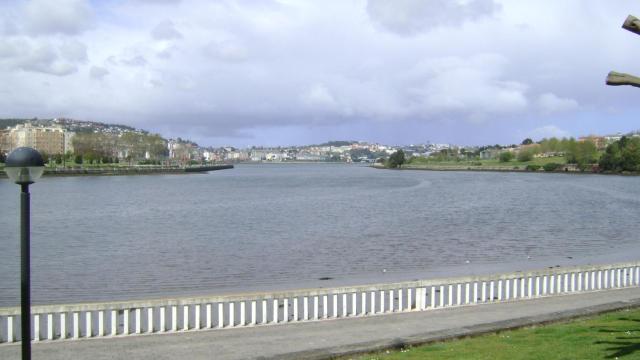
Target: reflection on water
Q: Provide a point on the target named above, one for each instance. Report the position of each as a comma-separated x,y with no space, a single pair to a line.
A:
269,226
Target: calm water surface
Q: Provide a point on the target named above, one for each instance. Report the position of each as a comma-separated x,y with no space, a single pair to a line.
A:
260,227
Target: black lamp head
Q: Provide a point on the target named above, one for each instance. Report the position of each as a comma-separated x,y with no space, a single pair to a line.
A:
24,165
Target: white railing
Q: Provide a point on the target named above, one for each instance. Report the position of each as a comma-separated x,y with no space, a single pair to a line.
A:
108,319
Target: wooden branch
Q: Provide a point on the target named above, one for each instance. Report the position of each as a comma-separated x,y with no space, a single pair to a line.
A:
632,24
616,79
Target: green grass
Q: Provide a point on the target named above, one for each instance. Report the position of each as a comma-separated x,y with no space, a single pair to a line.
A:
492,163
613,335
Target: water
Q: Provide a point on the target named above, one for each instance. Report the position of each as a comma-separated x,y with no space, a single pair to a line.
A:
260,227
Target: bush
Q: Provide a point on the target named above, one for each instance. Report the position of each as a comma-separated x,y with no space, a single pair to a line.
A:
525,155
78,159
551,166
533,167
505,156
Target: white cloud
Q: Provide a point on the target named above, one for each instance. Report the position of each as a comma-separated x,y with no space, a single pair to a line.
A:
548,131
45,17
165,49
160,2
242,65
551,103
473,87
227,50
165,30
319,96
408,17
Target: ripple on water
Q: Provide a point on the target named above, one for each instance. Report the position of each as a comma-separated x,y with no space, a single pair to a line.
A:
266,227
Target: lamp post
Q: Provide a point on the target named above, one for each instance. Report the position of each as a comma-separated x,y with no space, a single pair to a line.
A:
24,166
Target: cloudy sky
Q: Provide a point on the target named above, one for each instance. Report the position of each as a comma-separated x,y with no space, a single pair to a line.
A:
261,72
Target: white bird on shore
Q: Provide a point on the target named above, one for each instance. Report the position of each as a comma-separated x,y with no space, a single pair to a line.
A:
384,270
467,262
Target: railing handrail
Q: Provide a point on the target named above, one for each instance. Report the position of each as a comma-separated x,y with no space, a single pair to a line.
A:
249,296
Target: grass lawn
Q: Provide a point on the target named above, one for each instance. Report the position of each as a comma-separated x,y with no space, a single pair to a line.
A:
613,335
491,163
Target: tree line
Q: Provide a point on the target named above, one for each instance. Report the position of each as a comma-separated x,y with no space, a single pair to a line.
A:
582,153
107,148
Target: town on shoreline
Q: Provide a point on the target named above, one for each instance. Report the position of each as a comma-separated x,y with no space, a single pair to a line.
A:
80,145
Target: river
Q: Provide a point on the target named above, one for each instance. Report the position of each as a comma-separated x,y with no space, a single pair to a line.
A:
274,226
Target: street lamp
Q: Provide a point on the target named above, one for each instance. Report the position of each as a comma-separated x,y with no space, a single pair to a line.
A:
24,166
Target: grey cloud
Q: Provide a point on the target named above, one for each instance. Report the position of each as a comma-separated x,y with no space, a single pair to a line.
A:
98,73
21,54
74,51
155,83
166,52
165,30
112,60
45,60
45,17
8,28
244,69
409,17
135,61
9,49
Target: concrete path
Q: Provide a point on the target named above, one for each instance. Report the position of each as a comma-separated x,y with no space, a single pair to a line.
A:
322,339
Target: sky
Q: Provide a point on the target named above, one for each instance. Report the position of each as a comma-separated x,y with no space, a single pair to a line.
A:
293,72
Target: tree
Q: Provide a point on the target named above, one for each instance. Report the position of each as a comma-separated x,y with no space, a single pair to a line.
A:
506,156
622,155
527,141
396,159
3,157
581,153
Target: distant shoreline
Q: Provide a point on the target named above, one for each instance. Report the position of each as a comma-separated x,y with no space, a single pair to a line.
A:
126,171
497,169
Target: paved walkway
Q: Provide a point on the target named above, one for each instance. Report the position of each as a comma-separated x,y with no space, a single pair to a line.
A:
318,340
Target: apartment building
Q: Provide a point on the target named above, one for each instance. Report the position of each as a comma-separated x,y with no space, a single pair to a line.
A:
51,140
